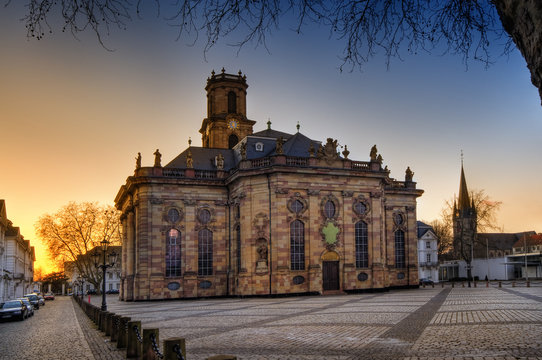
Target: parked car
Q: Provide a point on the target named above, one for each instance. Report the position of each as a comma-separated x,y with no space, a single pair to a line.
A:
34,300
29,306
49,296
41,300
91,292
112,291
13,309
424,281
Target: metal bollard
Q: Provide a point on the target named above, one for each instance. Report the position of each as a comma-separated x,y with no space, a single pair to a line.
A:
442,284
513,284
172,347
463,284
133,345
122,335
150,345
453,285
500,284
222,357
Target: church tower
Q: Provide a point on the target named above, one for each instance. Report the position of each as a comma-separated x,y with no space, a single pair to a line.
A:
464,223
226,122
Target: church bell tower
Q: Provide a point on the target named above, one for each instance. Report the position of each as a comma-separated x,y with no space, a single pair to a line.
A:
226,122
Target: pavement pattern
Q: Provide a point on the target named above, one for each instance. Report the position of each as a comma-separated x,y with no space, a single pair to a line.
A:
441,323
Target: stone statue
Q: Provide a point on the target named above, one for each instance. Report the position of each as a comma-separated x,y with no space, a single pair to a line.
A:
220,161
138,161
408,174
244,151
189,160
279,150
373,153
379,159
157,158
262,252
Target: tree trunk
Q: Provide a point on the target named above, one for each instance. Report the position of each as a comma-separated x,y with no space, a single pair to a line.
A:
522,20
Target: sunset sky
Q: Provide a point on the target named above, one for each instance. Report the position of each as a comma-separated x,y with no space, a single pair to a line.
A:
73,116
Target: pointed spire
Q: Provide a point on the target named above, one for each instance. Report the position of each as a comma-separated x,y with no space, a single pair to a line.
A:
463,201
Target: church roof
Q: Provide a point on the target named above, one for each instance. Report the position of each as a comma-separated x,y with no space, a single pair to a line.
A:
530,239
463,201
203,158
273,134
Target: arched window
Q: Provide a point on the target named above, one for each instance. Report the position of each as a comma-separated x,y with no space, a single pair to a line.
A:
400,249
238,230
173,253
362,246
297,245
232,141
205,252
232,103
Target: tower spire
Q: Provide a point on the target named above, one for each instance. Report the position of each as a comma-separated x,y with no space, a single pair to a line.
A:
463,202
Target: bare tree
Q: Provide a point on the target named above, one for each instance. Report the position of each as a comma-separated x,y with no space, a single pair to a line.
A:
366,27
76,229
443,231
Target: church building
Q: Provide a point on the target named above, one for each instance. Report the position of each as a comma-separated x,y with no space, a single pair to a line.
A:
263,213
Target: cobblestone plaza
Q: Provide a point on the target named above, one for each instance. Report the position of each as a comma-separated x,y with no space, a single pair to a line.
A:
426,323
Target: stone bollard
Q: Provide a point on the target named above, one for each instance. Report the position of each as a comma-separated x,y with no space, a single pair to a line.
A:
172,344
433,285
101,324
442,284
115,322
463,284
222,357
108,323
453,285
133,346
528,283
500,284
513,284
148,349
122,335
474,283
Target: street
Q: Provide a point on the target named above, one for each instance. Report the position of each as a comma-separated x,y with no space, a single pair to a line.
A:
52,333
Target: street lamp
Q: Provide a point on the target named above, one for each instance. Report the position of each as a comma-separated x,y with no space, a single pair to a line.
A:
112,259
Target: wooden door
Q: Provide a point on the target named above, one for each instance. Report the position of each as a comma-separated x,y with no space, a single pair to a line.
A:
330,275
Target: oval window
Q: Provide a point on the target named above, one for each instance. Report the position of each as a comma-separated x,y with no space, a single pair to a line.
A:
360,208
329,209
173,215
174,286
297,280
204,216
399,219
362,276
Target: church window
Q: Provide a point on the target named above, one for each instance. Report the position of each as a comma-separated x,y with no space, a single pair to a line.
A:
232,103
297,245
205,252
238,230
329,209
362,246
204,216
173,253
360,208
399,219
399,249
297,206
173,215
232,141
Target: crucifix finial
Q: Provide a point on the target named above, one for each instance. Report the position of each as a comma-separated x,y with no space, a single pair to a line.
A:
268,123
461,157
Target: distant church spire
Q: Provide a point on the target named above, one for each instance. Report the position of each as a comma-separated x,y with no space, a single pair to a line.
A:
463,201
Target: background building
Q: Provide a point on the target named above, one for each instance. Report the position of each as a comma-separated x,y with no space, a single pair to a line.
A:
428,263
264,213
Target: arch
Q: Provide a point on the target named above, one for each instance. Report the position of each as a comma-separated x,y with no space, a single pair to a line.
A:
232,103
173,253
232,141
330,255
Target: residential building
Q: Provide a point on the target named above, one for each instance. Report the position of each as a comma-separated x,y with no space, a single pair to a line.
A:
266,212
428,262
19,263
4,276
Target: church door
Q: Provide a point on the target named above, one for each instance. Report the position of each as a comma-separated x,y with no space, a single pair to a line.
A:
330,275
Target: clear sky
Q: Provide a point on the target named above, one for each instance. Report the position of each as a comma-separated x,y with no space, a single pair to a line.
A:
73,115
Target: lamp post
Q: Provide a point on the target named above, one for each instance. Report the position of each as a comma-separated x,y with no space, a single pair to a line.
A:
112,259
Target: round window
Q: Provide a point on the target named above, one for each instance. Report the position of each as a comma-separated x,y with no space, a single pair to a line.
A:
297,206
360,208
173,215
329,209
204,216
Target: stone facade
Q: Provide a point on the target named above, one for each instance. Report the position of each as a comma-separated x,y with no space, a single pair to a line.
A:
274,213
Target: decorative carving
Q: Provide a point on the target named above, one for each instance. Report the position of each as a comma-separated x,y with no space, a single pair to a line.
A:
361,207
189,202
410,208
297,205
261,249
379,159
157,158
312,151
346,193
330,232
244,151
260,222
172,215
156,201
138,161
281,191
328,152
313,192
376,194
221,202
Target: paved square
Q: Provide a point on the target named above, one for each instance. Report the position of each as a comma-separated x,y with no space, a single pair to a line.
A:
428,323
